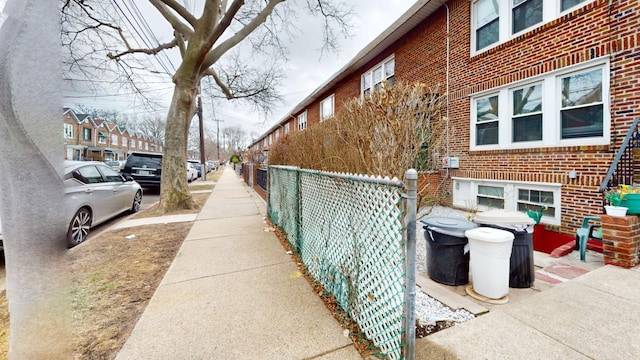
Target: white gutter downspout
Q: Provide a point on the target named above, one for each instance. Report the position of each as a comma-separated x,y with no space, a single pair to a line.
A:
447,86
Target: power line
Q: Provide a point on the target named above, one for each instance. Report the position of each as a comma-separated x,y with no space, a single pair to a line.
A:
144,38
147,30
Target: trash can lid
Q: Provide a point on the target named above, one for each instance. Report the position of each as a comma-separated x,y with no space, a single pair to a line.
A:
503,217
448,225
489,234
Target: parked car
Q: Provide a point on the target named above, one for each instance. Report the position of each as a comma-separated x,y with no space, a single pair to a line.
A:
145,168
95,193
116,165
197,165
192,173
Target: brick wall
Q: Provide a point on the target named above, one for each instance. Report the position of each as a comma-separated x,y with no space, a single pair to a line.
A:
563,42
621,240
592,31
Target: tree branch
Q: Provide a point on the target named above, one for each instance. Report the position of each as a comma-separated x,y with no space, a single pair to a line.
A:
215,54
178,25
223,87
223,25
153,51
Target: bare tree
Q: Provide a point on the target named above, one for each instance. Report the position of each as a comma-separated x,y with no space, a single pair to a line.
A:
209,47
152,127
236,138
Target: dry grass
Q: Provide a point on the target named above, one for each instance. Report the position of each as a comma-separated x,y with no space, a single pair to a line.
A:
113,281
4,326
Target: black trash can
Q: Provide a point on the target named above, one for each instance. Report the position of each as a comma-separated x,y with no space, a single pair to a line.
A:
447,260
521,265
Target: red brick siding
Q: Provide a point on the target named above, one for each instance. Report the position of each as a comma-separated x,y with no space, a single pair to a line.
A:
592,31
621,240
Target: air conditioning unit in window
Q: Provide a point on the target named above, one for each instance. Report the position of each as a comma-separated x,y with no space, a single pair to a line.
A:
450,162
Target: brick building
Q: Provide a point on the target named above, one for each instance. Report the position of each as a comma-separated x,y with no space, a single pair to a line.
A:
541,93
86,138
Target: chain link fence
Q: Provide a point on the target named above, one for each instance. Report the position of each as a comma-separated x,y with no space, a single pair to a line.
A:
350,232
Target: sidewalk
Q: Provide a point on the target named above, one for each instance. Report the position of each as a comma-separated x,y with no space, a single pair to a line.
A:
593,316
232,292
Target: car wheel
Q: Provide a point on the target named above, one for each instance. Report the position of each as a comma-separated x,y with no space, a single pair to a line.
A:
137,200
79,227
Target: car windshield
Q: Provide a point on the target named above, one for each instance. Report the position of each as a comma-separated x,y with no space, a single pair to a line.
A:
149,161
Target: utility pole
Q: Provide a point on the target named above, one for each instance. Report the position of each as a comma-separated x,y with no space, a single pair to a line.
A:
203,166
218,135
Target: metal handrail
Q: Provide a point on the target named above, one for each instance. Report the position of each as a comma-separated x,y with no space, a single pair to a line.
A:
632,134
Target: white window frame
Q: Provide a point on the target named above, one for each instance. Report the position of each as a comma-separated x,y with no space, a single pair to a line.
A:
513,116
277,136
102,139
132,143
302,120
146,145
465,193
551,10
114,139
68,131
85,132
324,104
125,141
287,128
140,143
368,75
551,104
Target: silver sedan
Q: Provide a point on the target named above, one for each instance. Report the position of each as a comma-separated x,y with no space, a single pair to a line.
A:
95,193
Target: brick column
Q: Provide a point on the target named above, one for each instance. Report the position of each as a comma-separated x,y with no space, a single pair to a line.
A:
621,240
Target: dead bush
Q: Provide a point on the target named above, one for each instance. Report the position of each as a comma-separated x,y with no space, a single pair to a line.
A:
387,132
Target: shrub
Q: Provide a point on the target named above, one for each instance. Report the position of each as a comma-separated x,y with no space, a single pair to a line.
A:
395,128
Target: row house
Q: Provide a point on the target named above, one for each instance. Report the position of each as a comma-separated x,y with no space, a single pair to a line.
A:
540,95
86,138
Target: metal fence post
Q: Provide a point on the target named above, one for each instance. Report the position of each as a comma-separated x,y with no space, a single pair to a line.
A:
268,186
410,290
298,211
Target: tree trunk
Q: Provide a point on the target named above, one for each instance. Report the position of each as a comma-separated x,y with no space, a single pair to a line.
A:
174,189
31,187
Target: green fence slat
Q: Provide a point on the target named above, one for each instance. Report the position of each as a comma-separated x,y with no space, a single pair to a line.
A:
353,244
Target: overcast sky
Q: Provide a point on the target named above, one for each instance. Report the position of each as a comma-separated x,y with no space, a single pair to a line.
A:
306,69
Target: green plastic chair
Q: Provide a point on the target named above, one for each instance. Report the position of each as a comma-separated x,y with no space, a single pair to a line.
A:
588,231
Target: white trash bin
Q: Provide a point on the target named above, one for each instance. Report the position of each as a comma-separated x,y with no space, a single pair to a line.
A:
490,252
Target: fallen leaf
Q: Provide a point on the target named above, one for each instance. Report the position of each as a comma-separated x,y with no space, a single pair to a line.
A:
295,274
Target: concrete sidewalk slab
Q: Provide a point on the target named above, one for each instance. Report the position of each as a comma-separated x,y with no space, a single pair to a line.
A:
223,255
624,283
227,226
228,208
232,193
584,319
233,292
155,220
496,335
590,317
255,314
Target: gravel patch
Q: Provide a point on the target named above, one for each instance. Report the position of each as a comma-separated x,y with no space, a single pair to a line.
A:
431,314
